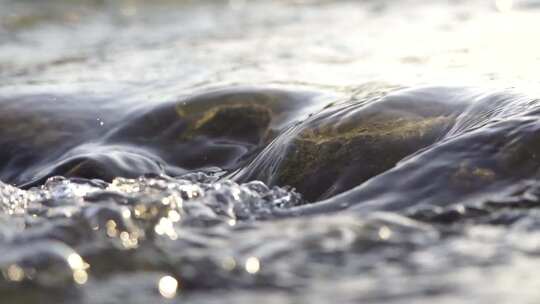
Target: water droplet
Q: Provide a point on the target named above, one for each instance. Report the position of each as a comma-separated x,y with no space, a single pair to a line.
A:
15,273
80,276
174,216
111,228
253,265
385,233
229,263
75,261
126,213
167,287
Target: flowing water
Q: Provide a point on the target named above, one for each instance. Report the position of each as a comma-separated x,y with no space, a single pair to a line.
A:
270,151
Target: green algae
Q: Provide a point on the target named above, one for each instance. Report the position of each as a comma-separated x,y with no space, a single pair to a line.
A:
237,121
318,157
245,114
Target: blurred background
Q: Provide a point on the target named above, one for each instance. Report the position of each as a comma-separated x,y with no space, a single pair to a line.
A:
163,47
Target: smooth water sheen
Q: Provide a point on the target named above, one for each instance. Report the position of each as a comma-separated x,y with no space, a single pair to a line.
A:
269,152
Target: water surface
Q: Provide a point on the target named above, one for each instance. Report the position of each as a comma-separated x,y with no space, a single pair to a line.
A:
277,151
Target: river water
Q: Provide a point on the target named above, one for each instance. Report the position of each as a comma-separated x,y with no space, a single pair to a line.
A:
270,151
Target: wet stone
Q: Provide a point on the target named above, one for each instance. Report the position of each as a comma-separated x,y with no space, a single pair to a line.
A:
268,152
63,135
349,143
223,127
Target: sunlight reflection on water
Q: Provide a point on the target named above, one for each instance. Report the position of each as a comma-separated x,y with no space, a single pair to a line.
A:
138,53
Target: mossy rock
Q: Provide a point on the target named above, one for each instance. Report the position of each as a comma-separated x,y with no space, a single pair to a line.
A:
485,151
247,123
222,127
321,163
245,113
47,134
347,144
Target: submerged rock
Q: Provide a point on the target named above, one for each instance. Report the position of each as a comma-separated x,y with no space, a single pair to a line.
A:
344,147
37,129
380,149
349,143
101,139
222,127
484,149
448,161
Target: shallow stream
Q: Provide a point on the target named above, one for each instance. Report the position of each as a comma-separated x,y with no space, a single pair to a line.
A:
269,151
